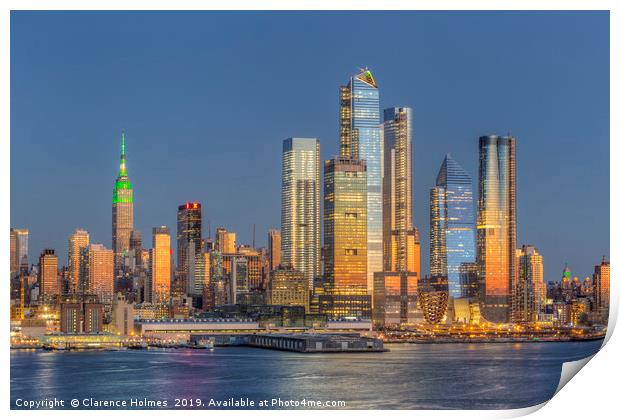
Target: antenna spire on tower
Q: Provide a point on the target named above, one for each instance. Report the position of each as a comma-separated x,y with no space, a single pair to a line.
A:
123,143
123,168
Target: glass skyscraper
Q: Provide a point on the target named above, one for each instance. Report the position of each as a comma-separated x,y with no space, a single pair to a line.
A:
497,226
601,279
301,205
360,138
400,239
345,239
189,240
452,227
77,241
530,288
395,288
160,267
49,284
19,250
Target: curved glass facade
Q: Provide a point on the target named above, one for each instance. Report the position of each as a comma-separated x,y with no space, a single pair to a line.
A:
496,238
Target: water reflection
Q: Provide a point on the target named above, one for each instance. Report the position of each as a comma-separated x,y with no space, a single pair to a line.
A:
422,376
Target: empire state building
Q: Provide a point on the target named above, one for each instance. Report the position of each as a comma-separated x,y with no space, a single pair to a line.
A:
122,210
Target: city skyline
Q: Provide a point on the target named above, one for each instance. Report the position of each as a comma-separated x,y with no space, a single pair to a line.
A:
138,161
307,194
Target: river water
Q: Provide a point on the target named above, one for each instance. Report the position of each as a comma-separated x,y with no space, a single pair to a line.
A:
409,376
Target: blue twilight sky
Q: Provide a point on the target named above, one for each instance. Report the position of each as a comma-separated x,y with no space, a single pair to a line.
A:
206,99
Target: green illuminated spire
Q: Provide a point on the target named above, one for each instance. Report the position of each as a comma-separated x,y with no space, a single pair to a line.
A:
123,192
566,272
123,168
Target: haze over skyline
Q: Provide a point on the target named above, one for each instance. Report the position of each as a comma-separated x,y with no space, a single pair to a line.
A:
206,99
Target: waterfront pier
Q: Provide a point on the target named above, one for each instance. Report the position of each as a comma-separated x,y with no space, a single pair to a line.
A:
300,343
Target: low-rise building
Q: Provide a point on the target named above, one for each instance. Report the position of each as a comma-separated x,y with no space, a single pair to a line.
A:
81,314
122,316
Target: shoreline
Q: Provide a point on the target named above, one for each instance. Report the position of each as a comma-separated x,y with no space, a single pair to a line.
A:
435,341
490,341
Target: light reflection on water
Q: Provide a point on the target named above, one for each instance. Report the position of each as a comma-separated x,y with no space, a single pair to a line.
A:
423,376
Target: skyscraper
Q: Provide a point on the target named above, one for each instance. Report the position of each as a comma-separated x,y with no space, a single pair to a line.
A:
160,264
122,210
236,270
49,285
77,241
395,288
530,291
255,263
189,235
274,245
97,272
497,226
135,246
13,259
601,279
19,250
345,239
243,271
199,273
452,226
301,205
360,138
220,293
400,241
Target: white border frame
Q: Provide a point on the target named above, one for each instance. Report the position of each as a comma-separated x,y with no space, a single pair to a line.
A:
591,394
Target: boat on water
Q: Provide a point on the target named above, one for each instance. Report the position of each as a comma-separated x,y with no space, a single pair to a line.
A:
202,344
55,347
138,346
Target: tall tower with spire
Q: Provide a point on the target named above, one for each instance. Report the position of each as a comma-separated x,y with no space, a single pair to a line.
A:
360,138
122,210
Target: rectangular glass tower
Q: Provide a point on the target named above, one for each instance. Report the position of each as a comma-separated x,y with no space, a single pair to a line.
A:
345,239
301,205
360,138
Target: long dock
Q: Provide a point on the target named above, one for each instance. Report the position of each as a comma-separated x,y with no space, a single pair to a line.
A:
300,343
